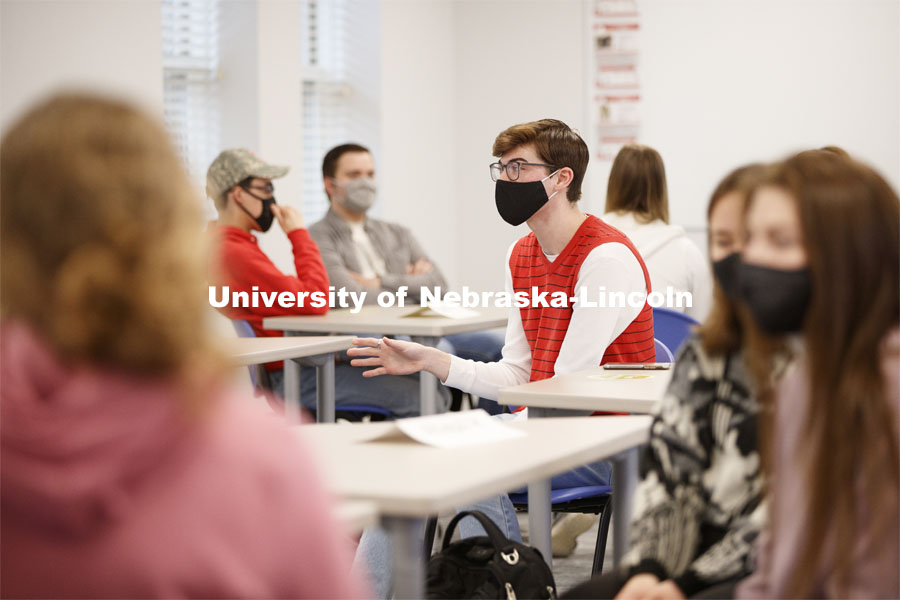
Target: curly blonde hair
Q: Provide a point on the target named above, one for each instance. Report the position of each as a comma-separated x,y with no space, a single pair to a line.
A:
102,250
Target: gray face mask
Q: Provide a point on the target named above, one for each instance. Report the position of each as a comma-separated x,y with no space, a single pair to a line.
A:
359,194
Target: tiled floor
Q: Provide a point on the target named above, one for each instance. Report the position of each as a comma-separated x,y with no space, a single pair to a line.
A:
574,569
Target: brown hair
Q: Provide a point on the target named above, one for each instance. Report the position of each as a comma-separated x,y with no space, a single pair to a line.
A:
836,150
555,143
850,219
102,255
637,184
723,329
329,163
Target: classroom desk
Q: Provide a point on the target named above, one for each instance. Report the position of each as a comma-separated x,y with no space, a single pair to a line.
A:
408,481
376,320
634,391
251,351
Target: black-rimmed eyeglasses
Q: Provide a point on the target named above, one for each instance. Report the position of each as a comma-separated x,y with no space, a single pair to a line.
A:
513,168
268,188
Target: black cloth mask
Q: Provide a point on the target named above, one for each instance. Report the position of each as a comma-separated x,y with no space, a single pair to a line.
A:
778,299
726,272
266,217
517,202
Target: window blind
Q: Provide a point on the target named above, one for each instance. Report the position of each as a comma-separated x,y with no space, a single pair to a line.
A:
340,81
190,48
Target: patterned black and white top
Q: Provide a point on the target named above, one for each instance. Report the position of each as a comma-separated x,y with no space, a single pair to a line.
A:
699,505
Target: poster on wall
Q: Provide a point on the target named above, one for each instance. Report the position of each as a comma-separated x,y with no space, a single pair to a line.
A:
615,85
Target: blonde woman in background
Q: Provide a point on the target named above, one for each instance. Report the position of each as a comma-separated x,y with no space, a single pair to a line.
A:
126,468
637,204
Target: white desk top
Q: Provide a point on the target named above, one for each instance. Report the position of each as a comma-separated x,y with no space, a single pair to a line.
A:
405,478
251,351
635,391
388,321
356,515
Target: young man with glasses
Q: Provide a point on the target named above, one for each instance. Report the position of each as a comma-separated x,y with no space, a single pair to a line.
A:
538,179
240,185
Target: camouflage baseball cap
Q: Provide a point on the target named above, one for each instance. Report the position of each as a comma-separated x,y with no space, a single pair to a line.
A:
235,165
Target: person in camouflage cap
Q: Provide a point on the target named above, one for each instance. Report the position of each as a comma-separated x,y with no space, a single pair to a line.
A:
238,173
240,185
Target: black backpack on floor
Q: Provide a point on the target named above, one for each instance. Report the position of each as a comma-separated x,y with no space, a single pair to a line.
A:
488,567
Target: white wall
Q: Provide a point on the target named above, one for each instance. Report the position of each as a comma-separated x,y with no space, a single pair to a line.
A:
726,83
515,62
452,78
112,47
417,169
723,83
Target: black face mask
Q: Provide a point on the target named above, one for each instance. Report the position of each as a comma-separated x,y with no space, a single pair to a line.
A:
517,202
726,272
266,217
777,298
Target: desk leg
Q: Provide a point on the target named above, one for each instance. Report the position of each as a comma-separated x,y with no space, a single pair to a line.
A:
427,393
625,476
408,562
539,507
539,518
292,391
427,383
325,389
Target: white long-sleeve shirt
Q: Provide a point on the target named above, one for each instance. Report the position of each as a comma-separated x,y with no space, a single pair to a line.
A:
672,260
611,266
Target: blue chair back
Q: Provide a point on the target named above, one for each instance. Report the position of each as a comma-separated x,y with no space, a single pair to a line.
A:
588,499
663,354
566,494
671,328
243,329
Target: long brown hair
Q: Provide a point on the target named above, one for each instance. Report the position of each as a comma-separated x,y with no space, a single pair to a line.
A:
723,329
850,220
102,251
637,184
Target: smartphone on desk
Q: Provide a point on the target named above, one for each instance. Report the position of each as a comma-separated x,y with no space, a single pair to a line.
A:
630,366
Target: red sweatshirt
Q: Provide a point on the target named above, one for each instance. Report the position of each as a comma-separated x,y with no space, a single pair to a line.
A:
241,265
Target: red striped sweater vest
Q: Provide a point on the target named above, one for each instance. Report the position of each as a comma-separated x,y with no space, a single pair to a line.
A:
546,327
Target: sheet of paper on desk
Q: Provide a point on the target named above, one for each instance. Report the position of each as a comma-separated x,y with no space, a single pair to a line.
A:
440,309
454,429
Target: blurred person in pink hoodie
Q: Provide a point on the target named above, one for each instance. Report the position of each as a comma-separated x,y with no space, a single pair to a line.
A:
127,468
